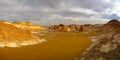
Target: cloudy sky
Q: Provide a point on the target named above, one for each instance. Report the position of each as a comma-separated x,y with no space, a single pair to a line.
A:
47,12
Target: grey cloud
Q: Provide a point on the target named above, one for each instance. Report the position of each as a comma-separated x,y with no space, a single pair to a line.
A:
96,5
34,10
73,14
43,3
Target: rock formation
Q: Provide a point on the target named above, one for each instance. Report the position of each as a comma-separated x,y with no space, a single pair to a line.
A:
81,29
25,25
105,48
113,23
28,26
12,36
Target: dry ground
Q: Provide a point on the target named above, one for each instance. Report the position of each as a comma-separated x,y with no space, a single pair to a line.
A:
59,46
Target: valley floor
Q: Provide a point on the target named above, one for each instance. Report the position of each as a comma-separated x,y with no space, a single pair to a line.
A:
59,46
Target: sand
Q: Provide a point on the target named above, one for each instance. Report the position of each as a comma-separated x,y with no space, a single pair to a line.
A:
58,46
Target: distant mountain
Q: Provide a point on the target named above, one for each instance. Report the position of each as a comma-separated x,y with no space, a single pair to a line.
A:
13,36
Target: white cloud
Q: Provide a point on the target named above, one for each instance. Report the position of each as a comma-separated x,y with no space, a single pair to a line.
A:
116,8
107,1
45,10
83,10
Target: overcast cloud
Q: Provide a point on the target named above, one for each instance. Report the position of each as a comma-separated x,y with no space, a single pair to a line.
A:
47,12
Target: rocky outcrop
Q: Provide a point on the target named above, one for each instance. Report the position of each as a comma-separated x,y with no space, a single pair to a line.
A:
25,25
12,36
106,48
113,23
59,28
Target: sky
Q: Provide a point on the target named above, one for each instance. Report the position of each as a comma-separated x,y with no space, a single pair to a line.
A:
48,12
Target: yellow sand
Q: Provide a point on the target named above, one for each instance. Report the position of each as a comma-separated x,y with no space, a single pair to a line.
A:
59,46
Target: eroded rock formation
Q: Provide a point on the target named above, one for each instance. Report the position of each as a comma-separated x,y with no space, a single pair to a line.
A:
25,25
12,36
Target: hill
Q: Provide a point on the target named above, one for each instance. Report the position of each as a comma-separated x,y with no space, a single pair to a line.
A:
113,23
11,36
25,25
